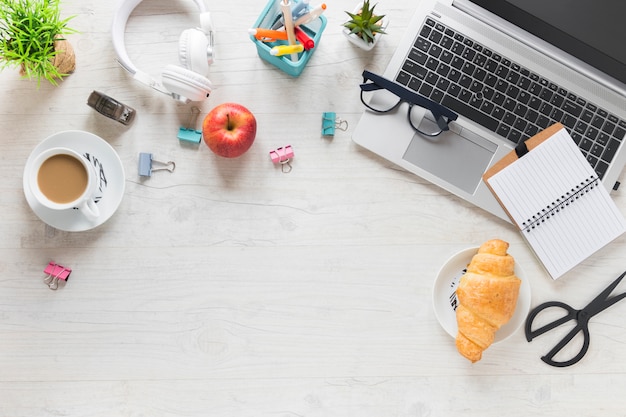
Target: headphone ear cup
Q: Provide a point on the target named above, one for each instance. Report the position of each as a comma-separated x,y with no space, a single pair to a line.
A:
193,49
186,83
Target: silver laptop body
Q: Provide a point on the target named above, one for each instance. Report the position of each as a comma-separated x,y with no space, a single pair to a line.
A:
456,159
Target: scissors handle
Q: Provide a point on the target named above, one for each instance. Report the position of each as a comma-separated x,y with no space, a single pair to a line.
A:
549,357
531,334
572,314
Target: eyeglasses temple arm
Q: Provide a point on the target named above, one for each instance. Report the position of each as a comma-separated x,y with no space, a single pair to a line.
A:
437,109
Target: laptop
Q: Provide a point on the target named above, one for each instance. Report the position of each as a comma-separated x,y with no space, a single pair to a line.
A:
508,69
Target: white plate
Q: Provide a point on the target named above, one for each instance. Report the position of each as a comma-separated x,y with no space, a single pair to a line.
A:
112,180
444,295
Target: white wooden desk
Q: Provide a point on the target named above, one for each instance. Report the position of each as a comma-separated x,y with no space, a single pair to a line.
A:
228,288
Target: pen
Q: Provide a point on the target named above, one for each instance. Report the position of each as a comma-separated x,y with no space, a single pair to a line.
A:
298,10
268,34
304,39
313,14
287,49
285,7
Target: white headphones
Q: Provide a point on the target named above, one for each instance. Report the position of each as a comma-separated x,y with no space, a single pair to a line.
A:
186,83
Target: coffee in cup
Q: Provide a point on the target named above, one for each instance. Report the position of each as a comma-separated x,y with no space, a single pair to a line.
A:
62,179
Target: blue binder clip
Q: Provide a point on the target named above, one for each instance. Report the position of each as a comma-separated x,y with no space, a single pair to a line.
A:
146,165
330,122
189,133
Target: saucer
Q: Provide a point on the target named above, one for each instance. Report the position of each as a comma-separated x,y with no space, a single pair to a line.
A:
444,295
112,180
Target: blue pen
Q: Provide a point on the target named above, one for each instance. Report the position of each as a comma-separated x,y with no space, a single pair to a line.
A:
298,10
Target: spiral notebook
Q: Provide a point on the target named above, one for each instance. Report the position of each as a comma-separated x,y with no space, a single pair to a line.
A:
552,194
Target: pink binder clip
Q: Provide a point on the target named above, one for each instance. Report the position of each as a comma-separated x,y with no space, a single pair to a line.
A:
55,273
282,156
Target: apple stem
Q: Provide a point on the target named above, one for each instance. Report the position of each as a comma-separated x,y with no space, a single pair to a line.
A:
229,125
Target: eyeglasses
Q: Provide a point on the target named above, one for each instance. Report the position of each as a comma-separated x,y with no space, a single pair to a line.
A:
442,115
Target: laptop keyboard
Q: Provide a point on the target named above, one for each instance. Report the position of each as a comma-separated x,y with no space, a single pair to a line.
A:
503,96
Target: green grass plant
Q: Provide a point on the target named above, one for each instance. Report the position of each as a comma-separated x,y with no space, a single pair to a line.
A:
28,31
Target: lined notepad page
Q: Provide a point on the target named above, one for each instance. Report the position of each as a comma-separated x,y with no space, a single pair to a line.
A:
548,177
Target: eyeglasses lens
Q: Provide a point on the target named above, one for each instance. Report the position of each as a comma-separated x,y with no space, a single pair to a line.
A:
381,101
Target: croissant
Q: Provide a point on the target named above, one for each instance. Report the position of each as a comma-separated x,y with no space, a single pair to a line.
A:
487,295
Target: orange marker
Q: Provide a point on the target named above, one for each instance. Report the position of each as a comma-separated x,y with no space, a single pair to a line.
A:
268,34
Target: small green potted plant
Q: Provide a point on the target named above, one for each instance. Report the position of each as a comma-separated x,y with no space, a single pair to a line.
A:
365,27
32,38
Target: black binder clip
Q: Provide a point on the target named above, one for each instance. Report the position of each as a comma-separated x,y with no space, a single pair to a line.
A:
55,273
521,149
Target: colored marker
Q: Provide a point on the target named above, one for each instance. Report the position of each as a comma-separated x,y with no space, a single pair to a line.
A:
286,49
268,34
304,39
285,7
298,10
310,16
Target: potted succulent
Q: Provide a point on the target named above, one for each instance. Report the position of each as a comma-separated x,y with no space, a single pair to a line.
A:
365,27
32,38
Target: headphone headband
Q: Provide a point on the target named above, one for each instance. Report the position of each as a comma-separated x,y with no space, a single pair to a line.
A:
124,10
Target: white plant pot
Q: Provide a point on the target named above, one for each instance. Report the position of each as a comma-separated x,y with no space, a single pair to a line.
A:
360,42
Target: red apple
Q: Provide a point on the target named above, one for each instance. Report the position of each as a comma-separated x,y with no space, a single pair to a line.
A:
229,130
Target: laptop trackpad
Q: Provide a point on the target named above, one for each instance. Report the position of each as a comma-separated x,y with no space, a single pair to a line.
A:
458,158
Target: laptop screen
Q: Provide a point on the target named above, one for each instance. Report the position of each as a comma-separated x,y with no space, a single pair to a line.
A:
592,31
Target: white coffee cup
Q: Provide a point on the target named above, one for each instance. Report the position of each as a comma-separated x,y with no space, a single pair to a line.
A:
62,179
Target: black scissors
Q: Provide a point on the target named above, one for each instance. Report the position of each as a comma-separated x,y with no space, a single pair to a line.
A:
598,304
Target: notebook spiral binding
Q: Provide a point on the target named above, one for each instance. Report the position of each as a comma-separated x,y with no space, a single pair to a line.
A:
560,204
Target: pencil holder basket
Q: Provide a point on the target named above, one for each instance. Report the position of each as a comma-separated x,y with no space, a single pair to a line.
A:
270,15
